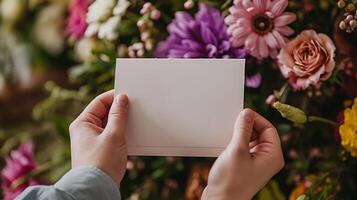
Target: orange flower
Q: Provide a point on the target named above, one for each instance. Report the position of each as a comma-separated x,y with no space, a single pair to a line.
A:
298,191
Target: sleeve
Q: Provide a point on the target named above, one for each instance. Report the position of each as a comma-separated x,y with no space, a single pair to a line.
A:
82,183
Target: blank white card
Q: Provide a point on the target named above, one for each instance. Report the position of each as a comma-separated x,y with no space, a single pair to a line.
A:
180,107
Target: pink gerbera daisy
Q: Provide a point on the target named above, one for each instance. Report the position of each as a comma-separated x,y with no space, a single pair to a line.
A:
260,26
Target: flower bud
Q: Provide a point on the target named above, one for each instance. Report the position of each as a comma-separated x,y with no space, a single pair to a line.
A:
291,113
149,45
270,100
342,25
142,24
145,36
341,3
351,7
155,14
12,10
146,8
188,4
140,53
353,23
349,18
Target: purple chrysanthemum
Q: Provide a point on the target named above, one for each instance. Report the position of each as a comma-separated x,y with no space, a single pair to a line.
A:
204,36
19,163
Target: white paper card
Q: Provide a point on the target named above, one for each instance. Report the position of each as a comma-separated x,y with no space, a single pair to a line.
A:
180,107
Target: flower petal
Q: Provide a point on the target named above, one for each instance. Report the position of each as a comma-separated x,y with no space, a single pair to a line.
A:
273,53
285,61
278,7
253,81
92,29
311,80
263,48
238,42
271,41
252,41
239,32
280,39
285,30
230,20
259,4
284,19
245,3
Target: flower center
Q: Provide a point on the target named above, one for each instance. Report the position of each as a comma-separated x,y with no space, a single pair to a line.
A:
262,24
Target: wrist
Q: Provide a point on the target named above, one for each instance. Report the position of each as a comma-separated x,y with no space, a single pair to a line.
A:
217,193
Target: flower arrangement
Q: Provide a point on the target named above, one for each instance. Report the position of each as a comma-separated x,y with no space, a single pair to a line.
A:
301,73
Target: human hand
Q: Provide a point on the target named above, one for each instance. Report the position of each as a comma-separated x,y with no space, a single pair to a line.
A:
252,157
97,135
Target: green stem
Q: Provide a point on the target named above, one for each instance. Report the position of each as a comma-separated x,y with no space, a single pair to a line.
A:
321,119
283,92
226,4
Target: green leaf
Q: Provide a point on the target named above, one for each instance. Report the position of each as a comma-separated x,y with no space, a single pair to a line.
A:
271,192
62,128
302,197
158,173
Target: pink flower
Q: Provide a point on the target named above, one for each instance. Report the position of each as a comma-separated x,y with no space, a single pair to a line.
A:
19,163
271,99
307,59
76,22
260,26
253,81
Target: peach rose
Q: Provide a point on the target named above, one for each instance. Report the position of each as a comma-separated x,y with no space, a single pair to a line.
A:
307,59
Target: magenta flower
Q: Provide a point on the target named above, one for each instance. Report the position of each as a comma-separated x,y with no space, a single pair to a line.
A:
204,36
76,22
253,81
20,162
260,26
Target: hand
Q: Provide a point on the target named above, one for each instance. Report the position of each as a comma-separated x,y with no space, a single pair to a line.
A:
252,157
97,135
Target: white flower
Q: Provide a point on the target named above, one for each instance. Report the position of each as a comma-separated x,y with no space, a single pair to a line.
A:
15,65
12,10
121,7
100,10
108,30
48,31
92,29
104,18
84,49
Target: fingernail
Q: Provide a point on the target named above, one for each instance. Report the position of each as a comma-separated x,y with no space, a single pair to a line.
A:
121,99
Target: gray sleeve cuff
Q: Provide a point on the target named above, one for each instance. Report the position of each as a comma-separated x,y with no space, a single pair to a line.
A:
88,183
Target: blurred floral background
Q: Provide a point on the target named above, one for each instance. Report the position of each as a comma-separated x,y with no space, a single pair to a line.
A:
301,73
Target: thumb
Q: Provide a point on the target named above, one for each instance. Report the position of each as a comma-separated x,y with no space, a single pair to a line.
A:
243,130
118,115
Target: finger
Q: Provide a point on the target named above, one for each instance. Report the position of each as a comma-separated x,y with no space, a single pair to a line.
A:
266,131
243,129
118,115
254,135
268,146
253,144
97,109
